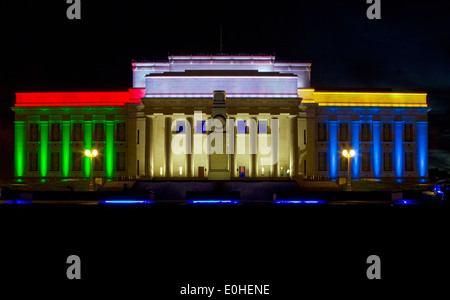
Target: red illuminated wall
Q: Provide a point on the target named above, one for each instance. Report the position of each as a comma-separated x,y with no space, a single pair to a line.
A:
79,98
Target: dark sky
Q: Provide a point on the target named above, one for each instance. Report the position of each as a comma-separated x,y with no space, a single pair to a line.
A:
407,50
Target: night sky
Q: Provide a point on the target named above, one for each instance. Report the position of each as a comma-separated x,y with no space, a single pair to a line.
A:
407,50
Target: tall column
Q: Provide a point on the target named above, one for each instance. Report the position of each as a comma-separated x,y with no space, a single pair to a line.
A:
87,145
333,150
422,148
44,148
376,148
65,165
274,144
294,147
189,147
109,149
253,145
356,160
20,148
398,148
232,147
167,145
148,146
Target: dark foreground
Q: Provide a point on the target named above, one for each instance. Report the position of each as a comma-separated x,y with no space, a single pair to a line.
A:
154,250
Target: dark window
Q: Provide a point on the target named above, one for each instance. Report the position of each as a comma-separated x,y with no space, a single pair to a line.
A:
137,167
201,127
54,161
322,161
408,133
262,126
77,132
99,134
76,161
343,163
181,126
366,161
242,126
304,136
365,132
343,132
137,137
409,161
322,132
120,134
387,132
304,166
34,133
33,161
55,132
98,162
387,161
120,164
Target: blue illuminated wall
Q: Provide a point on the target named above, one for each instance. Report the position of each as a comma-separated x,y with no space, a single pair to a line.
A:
356,160
333,150
376,149
422,148
397,156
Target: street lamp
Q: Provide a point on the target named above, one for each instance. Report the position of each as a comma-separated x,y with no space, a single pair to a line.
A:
91,155
349,155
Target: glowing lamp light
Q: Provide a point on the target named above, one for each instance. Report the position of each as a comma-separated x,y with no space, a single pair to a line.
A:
91,154
347,153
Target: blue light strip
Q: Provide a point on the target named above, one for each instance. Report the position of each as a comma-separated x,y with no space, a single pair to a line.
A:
422,148
376,149
126,201
17,202
405,202
299,202
355,162
213,201
333,150
398,148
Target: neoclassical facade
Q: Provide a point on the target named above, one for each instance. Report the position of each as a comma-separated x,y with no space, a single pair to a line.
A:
221,117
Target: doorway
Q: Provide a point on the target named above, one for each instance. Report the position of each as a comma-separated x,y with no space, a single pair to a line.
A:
201,172
242,171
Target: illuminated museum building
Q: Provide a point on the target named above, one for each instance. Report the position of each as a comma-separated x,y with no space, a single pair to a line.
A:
133,130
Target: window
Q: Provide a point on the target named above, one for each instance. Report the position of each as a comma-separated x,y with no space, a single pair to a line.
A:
120,132
181,126
98,132
98,162
322,161
343,163
54,161
34,133
76,132
201,127
120,161
322,132
304,136
366,161
409,161
262,126
343,132
408,133
241,126
387,132
55,132
137,137
76,161
387,161
33,161
304,167
365,132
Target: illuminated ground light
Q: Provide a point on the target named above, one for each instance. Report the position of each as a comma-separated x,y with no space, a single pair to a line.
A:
213,202
299,202
17,202
405,202
125,202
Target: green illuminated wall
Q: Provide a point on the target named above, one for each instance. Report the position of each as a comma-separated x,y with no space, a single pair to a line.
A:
109,149
87,145
20,148
65,162
44,147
